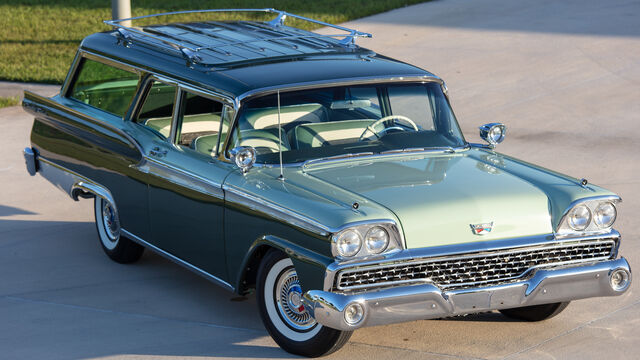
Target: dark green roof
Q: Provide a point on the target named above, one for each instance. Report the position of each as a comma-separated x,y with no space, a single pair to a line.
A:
241,65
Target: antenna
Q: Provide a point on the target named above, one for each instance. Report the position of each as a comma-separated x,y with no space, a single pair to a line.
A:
281,177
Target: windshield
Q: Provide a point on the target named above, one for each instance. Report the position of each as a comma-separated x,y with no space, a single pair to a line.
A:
343,120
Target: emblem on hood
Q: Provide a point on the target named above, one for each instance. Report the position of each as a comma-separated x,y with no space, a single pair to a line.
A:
481,229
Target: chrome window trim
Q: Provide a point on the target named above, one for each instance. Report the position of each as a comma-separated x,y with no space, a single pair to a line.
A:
225,106
323,84
144,73
177,104
71,74
178,261
450,250
509,251
363,80
80,55
180,177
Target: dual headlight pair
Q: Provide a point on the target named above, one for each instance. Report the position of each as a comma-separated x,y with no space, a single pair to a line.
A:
590,215
366,239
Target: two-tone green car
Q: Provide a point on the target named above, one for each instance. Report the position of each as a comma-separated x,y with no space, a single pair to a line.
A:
330,180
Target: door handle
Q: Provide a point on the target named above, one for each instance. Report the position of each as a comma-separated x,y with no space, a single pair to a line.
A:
156,151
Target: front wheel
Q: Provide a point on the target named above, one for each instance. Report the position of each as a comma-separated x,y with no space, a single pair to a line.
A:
117,247
535,312
279,298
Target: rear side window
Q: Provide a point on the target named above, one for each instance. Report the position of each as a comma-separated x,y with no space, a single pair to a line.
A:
157,110
105,87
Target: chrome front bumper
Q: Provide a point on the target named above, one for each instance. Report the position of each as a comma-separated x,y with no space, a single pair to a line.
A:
427,301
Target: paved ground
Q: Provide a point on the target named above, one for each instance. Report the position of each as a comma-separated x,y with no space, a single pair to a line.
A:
564,76
10,88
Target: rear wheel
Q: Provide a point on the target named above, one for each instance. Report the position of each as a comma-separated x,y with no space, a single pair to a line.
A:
279,298
117,247
535,312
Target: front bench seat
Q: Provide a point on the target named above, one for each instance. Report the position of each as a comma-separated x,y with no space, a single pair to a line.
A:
265,118
328,133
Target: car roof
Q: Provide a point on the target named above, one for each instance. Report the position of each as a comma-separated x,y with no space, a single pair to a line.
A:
243,57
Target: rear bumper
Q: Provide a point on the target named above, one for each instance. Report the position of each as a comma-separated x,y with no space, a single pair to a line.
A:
30,160
427,301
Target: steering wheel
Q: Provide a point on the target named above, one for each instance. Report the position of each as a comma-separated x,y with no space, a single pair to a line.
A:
392,119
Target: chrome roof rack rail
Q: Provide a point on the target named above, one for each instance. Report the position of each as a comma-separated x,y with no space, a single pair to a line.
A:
190,50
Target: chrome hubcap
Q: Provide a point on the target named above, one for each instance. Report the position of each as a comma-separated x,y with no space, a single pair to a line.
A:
289,301
110,221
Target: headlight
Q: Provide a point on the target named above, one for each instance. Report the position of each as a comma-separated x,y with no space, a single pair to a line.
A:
366,238
349,243
377,239
589,216
579,217
605,215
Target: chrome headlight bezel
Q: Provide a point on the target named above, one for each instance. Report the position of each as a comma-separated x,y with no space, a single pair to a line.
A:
592,204
394,244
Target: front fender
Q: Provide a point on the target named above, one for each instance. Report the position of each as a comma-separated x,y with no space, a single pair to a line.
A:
310,266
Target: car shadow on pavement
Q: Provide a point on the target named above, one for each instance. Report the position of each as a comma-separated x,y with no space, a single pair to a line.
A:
6,210
63,297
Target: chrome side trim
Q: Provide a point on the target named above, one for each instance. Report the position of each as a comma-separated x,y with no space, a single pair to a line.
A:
276,211
71,182
426,301
178,261
181,177
449,250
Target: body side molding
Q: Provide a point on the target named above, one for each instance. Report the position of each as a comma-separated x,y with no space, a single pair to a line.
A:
178,261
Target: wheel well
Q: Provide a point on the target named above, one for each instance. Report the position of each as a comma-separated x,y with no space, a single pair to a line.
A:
250,271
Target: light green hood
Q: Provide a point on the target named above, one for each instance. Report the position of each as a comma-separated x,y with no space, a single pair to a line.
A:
438,197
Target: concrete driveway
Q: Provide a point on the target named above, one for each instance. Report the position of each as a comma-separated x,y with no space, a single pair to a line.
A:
565,78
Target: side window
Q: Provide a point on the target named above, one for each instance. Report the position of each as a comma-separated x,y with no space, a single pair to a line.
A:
157,108
199,123
105,87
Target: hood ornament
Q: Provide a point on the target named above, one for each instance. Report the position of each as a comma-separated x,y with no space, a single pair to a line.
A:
481,229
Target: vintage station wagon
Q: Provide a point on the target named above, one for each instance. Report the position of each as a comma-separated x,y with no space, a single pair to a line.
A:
330,180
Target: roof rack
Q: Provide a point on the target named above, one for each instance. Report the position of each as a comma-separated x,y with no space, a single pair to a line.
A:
219,45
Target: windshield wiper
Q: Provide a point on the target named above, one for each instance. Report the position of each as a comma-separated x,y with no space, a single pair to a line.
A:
445,149
336,157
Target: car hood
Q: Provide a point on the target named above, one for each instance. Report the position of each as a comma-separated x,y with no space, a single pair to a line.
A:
438,197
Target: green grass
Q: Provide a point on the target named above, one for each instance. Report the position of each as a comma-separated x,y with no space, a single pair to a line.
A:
39,38
9,101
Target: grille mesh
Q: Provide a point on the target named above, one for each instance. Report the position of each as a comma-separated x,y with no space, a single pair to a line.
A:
474,269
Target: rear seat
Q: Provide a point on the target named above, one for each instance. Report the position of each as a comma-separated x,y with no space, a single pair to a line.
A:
197,123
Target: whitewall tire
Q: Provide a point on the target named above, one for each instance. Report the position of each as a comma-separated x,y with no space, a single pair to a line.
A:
117,247
279,296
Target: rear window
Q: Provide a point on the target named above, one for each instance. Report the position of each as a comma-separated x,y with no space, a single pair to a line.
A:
105,87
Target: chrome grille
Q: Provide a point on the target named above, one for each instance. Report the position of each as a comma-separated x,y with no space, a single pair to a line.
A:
475,269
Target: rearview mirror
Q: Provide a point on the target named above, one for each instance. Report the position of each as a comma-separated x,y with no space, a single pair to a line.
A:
350,104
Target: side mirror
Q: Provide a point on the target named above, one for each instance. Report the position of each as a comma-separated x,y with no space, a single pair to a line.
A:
244,157
493,133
